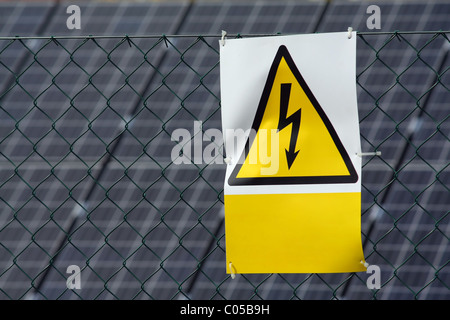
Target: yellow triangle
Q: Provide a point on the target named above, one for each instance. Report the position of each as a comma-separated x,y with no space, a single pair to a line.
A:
295,142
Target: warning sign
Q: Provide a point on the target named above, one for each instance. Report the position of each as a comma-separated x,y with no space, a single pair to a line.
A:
306,139
292,188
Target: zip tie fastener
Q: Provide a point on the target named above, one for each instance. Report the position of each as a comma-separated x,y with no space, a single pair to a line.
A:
222,41
350,30
233,275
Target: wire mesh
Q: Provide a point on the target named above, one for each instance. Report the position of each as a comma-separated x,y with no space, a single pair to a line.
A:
87,177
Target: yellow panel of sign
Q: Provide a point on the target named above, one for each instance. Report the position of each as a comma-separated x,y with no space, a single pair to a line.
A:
292,190
294,233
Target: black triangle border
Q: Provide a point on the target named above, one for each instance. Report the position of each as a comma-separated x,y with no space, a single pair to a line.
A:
234,181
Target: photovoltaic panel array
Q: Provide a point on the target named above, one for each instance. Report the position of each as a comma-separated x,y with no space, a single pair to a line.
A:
191,206
59,148
203,106
400,79
85,148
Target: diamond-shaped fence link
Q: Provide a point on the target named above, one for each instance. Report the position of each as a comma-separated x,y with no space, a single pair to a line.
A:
90,172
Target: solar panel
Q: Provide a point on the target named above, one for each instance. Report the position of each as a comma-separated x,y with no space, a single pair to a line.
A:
18,19
396,81
166,106
417,203
84,127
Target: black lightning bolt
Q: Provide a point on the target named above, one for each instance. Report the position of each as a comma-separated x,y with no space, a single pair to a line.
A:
284,121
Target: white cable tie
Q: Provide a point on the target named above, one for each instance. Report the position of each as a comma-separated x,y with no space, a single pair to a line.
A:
350,30
227,160
364,263
231,271
365,154
222,41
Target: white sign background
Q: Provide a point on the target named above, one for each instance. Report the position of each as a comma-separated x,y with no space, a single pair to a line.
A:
326,61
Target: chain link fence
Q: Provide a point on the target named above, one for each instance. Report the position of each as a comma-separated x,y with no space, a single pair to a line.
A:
88,179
